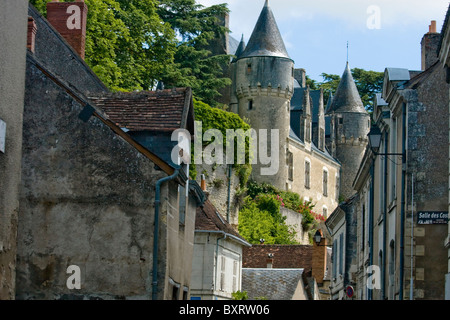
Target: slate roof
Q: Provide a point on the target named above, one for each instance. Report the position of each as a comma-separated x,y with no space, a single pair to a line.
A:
266,39
346,98
157,111
272,284
209,219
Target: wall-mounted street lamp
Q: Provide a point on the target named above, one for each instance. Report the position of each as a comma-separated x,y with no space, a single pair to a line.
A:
318,238
375,142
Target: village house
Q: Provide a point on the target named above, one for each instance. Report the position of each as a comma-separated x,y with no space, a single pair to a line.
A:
403,195
101,198
444,57
218,254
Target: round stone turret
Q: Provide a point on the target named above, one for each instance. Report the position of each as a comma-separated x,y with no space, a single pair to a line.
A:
263,84
350,124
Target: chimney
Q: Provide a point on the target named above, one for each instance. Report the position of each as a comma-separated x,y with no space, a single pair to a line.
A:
69,19
269,261
31,35
300,76
430,44
319,259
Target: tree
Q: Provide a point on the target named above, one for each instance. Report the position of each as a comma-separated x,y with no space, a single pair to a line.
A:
128,46
197,28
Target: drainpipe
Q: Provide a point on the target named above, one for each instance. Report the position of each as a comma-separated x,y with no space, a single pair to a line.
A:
371,195
229,193
383,269
156,232
402,210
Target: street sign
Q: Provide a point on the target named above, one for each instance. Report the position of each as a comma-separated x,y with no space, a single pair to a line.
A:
349,291
432,217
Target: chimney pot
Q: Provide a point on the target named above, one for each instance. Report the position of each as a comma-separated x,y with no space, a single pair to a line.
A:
203,182
433,26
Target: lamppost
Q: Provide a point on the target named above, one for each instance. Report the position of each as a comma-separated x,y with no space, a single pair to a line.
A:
318,238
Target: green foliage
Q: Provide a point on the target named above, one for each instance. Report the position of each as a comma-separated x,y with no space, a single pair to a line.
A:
197,29
133,44
240,295
128,46
214,118
287,199
261,219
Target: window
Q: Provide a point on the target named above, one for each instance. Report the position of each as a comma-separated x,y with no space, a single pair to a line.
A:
235,276
307,174
322,140
249,68
363,226
308,131
325,212
250,104
222,273
290,164
325,183
341,253
393,167
338,182
182,204
334,258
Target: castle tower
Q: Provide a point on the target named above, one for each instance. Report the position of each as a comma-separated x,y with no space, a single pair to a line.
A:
263,81
350,124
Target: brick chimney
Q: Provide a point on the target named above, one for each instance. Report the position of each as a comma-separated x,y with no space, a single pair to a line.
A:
31,35
319,259
430,44
69,19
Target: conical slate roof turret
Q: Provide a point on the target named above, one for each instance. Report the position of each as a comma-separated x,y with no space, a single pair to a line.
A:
346,98
265,40
240,49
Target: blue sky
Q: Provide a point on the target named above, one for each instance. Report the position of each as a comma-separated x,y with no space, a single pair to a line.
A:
381,33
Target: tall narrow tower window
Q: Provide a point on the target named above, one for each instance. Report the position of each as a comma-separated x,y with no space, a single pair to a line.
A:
249,68
325,183
250,104
307,174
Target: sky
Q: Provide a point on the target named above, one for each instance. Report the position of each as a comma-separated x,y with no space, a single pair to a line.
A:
380,33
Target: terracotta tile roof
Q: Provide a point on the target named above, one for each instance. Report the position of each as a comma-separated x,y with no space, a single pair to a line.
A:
162,110
284,256
209,219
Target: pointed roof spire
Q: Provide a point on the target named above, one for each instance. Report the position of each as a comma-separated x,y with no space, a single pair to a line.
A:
240,49
346,98
266,38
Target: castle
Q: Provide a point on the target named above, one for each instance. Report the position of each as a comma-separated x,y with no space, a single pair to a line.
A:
320,147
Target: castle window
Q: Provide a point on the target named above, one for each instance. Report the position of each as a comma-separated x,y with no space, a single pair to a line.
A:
290,163
307,174
322,140
250,104
325,183
249,68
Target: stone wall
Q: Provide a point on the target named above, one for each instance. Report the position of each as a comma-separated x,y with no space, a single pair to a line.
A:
13,40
